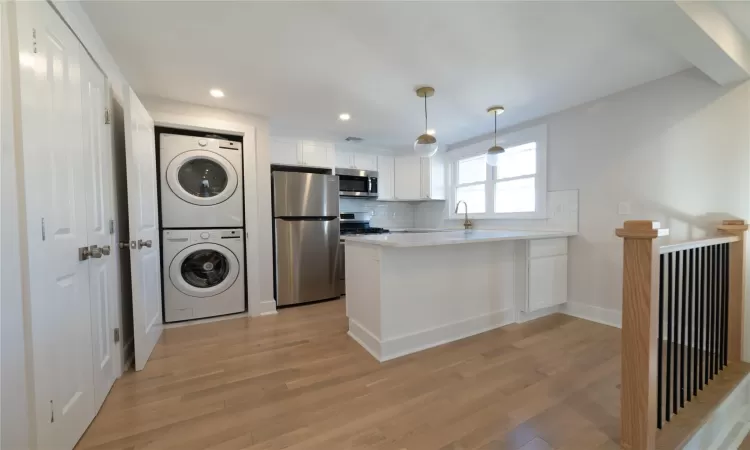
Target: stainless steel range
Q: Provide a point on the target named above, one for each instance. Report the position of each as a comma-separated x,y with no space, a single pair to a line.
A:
352,224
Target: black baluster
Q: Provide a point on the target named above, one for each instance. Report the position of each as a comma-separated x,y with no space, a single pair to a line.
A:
695,297
726,302
667,404
660,343
710,315
683,318
686,344
702,316
716,310
720,308
675,343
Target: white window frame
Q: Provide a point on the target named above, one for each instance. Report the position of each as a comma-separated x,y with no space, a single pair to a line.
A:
537,134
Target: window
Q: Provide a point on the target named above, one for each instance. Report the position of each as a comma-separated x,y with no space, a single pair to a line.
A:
515,188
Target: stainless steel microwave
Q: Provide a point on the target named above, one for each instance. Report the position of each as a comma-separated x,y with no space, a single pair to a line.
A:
357,183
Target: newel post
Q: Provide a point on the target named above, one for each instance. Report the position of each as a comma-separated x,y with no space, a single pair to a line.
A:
640,311
736,287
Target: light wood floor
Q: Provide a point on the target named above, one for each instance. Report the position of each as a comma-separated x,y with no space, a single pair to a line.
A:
297,381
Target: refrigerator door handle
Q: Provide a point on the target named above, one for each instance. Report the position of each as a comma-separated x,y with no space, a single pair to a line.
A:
305,218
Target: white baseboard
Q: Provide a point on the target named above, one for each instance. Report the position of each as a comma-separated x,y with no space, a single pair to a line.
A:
611,317
728,425
264,308
526,316
421,340
365,338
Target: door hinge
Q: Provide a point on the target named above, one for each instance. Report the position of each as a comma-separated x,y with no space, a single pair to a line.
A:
117,335
52,411
106,116
33,40
111,226
44,232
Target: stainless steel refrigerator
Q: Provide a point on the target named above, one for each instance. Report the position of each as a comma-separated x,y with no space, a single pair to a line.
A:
306,233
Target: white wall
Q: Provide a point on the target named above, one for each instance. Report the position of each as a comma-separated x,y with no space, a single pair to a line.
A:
257,174
676,149
14,415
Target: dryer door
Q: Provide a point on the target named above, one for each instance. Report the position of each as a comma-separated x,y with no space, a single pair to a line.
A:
201,177
204,270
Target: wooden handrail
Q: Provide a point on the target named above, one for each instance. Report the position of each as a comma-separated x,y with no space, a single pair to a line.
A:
641,288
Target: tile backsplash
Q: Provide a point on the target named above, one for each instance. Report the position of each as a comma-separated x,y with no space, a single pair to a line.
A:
384,214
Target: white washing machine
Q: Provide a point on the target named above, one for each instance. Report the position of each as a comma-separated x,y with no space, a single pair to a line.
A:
204,273
201,182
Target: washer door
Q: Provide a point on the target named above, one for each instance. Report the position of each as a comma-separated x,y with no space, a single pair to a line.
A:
204,270
201,177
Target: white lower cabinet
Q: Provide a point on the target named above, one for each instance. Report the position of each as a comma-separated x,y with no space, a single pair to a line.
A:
547,273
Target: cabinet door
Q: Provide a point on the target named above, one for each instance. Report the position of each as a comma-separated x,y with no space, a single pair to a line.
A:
344,160
407,178
433,178
316,154
285,152
385,177
365,161
547,281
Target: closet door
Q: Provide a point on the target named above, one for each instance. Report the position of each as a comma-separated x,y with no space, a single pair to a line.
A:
98,177
55,198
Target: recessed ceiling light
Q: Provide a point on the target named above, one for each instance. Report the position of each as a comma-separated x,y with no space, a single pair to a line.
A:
431,132
218,93
344,117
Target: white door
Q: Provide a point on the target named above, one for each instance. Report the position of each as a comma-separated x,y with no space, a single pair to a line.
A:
54,184
385,177
98,177
407,178
144,230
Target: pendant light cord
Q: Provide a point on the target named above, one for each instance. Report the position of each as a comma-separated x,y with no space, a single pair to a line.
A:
495,128
425,114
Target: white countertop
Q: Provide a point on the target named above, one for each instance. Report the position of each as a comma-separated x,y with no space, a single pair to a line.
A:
452,237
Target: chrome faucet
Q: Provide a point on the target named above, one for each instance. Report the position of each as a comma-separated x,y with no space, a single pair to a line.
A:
467,222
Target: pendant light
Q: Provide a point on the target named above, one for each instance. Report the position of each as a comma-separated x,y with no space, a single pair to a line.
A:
494,152
426,145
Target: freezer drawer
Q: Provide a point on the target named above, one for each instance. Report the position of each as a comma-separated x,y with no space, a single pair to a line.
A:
307,252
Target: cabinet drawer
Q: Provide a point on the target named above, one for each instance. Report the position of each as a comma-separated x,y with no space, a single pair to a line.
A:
548,247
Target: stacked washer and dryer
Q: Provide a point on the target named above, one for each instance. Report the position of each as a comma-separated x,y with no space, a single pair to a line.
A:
202,227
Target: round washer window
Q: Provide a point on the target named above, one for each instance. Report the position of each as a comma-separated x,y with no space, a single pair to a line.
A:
205,268
202,177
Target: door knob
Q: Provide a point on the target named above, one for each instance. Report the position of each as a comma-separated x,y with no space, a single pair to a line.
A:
142,243
106,250
83,254
95,252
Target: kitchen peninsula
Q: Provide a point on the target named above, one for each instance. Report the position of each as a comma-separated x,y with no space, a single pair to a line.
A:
409,292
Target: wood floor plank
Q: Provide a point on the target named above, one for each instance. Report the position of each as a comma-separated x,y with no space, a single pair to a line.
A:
296,381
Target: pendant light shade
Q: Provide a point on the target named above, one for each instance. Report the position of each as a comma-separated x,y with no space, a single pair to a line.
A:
494,152
426,145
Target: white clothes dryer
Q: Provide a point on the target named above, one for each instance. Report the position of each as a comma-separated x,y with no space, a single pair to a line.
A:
204,273
201,182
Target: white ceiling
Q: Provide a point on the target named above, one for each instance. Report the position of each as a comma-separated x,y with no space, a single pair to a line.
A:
303,63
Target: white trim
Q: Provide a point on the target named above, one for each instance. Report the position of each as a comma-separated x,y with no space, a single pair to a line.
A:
719,430
265,308
611,317
422,340
523,316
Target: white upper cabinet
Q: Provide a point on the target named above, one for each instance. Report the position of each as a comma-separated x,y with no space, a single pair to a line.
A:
359,161
285,152
317,154
385,177
289,152
344,160
418,178
365,161
407,178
